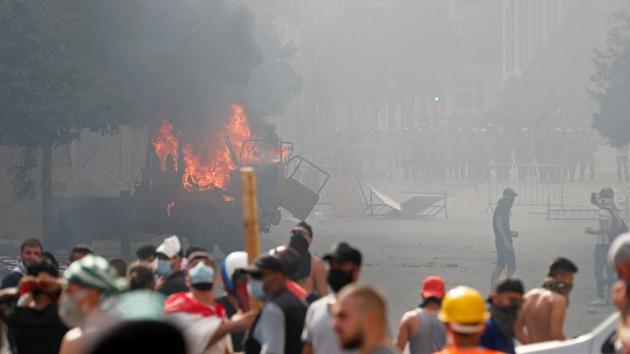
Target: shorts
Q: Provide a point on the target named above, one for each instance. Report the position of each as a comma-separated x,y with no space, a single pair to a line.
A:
505,258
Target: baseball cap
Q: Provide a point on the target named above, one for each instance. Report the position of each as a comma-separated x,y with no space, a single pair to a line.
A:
509,192
269,262
198,255
433,286
344,253
170,247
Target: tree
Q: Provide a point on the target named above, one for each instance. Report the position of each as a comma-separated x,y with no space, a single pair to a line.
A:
55,82
611,83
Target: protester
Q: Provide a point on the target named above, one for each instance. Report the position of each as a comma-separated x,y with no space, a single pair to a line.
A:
79,252
278,327
90,281
605,232
344,269
505,302
146,254
503,235
172,279
464,313
291,260
34,321
420,327
360,320
235,291
619,257
312,276
30,252
201,318
141,277
542,317
120,265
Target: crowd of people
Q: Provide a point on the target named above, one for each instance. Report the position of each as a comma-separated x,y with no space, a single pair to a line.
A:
173,300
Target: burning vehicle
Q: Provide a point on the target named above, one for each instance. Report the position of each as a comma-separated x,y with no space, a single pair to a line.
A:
190,186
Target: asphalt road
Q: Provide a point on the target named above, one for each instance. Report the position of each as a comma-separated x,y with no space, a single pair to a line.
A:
398,254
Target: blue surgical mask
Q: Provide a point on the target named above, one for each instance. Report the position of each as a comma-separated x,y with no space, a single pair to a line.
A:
256,289
163,267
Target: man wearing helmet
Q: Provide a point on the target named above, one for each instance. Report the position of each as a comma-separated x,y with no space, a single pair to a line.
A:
464,313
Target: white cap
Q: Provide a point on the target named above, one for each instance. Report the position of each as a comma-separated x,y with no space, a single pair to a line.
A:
170,247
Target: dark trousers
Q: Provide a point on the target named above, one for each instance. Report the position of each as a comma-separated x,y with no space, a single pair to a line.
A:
604,276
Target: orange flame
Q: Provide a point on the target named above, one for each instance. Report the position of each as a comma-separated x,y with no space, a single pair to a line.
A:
165,144
209,162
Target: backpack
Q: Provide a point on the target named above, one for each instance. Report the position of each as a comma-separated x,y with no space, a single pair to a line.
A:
618,226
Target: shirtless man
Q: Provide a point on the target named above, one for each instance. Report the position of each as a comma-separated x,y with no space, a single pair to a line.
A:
315,282
542,316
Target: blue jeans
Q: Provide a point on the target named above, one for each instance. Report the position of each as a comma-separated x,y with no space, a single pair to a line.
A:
604,275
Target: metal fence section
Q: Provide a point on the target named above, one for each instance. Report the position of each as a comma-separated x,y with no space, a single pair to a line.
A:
560,213
532,190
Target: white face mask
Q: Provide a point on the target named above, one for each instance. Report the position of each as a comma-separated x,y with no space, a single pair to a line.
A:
256,289
68,308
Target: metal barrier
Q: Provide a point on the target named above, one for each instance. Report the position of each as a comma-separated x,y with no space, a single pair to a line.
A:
530,193
555,213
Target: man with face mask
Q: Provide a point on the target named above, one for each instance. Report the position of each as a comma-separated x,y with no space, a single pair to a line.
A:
360,320
503,235
277,328
88,283
172,279
35,322
607,230
505,303
420,327
311,274
201,318
344,268
542,316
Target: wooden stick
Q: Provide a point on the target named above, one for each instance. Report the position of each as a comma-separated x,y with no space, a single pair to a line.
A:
250,220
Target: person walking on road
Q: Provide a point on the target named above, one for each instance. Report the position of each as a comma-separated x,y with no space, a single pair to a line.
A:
464,312
544,309
607,230
503,236
420,327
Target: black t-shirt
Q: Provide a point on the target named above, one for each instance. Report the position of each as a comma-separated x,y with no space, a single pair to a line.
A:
174,283
37,331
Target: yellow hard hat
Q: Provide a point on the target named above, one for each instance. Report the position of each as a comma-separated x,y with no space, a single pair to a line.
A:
463,305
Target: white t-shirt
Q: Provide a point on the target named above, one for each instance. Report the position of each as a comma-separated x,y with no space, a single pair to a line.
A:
606,218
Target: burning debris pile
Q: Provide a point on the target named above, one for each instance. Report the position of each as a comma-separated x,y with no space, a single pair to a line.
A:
209,158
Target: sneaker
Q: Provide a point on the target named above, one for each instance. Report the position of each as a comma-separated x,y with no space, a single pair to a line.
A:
598,302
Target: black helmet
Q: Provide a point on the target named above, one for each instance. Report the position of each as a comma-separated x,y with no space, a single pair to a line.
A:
607,193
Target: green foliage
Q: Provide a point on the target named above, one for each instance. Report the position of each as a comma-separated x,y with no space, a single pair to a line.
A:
54,79
611,83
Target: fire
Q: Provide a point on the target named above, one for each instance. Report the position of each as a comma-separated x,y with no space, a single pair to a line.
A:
165,144
208,162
